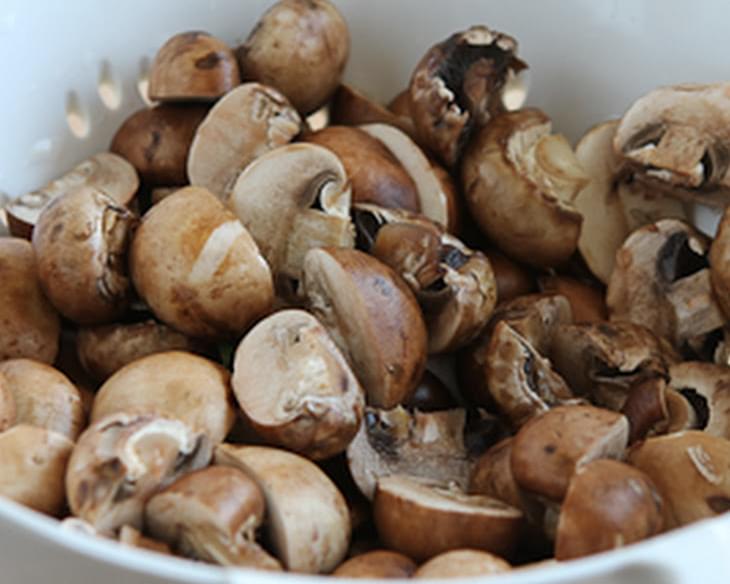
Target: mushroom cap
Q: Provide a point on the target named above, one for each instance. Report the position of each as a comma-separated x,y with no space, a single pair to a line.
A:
492,475
32,467
7,405
351,107
513,279
132,537
31,326
462,564
707,387
431,395
198,268
586,300
720,264
308,521
376,564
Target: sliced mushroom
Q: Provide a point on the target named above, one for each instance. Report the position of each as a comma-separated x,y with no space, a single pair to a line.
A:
174,384
462,564
608,505
422,518
586,300
119,462
31,326
377,564
308,523
706,387
351,107
193,66
291,200
198,268
646,408
520,182
7,405
457,86
132,537
212,515
720,265
248,122
372,316
32,466
44,397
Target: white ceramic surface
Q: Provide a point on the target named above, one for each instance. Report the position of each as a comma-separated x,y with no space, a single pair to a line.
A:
589,59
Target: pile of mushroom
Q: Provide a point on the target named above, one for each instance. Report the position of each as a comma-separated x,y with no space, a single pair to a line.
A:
222,339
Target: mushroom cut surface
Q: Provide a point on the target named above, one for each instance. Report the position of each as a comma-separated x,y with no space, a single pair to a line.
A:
706,387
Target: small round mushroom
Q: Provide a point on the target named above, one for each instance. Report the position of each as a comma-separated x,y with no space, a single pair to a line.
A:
212,515
7,405
308,522
462,564
80,242
351,107
174,384
586,300
44,397
372,316
608,505
520,181
421,519
193,66
198,268
119,462
377,564
299,47
295,387
31,326
246,123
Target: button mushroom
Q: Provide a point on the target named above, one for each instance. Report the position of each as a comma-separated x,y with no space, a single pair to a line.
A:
377,564
212,515
119,462
492,475
351,107
462,564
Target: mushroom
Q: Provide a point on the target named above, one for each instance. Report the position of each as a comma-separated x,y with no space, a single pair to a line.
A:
132,537
608,505
646,408
212,515
80,242
662,281
422,518
301,48
105,171
43,397
198,268
295,387
174,384
691,471
32,466
291,200
157,141
308,523
586,300
246,123
193,66
31,326
373,318
431,395
7,405
720,265
462,564
520,182
457,87
513,279
377,564
351,107
492,475
122,460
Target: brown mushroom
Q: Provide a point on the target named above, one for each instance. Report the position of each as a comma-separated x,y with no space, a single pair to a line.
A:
308,525
377,564
462,564
431,395
119,462
351,107
720,265
132,537
193,66
198,268
301,48
586,300
212,515
512,279
31,326
492,475
520,182
7,405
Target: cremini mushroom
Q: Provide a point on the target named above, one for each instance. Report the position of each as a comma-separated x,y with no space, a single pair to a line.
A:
122,460
7,405
720,265
512,279
308,524
295,387
198,268
193,66
586,300
351,107
212,515
377,564
464,563
492,475
706,387
132,537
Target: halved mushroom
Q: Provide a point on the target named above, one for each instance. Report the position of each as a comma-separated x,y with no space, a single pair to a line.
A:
246,123
107,172
422,518
291,200
31,326
376,564
720,265
586,300
608,505
212,515
462,564
32,466
492,475
119,462
457,86
193,66
80,242
647,409
43,397
132,537
7,405
662,281
372,316
174,384
295,387
308,523
198,268
520,182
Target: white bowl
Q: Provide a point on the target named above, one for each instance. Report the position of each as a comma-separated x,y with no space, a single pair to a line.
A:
588,61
